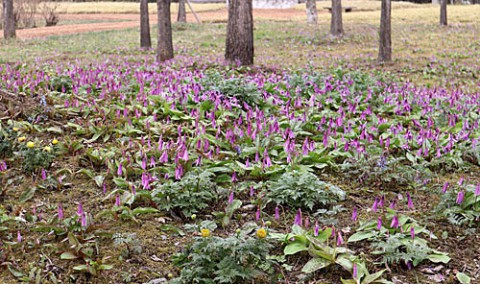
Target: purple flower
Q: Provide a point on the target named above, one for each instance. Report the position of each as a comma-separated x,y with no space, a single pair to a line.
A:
19,237
315,230
307,222
339,238
60,211
80,209
119,170
410,202
355,271
375,205
354,214
477,190
44,174
394,223
460,197
445,187
460,182
252,191
412,232
379,223
230,198
257,214
298,218
277,213
234,177
83,220
117,200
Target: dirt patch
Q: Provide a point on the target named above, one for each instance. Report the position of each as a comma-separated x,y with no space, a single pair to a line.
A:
132,21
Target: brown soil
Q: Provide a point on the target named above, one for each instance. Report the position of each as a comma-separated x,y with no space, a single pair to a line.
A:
132,20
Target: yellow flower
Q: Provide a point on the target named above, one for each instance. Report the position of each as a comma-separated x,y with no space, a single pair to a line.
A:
205,233
55,141
261,233
47,149
15,129
30,144
21,139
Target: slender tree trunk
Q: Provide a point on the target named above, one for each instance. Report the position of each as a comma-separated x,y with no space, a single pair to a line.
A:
312,15
8,20
165,45
443,13
145,40
182,13
239,44
385,50
336,26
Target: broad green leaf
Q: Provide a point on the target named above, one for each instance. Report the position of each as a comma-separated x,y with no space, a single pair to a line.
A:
439,258
294,247
362,235
315,264
463,278
143,210
68,255
27,194
373,277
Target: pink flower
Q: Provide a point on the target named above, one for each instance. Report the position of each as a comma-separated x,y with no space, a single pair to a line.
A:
410,202
394,223
355,271
80,209
412,232
44,174
315,230
339,238
379,223
460,197
19,237
477,190
445,187
257,214
119,170
60,211
230,198
117,200
277,213
354,214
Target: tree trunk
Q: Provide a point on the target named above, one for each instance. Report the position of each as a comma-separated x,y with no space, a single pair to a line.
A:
443,13
165,45
239,44
8,19
385,50
312,15
336,26
145,40
182,13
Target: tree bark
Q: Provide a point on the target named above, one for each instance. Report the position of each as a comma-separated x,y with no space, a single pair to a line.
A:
8,20
182,13
165,45
443,13
336,26
385,50
239,43
145,39
312,14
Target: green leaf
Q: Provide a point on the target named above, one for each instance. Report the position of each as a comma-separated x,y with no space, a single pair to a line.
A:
373,277
105,267
315,264
55,129
358,236
15,272
27,194
143,210
439,258
172,228
99,180
463,278
294,247
68,255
